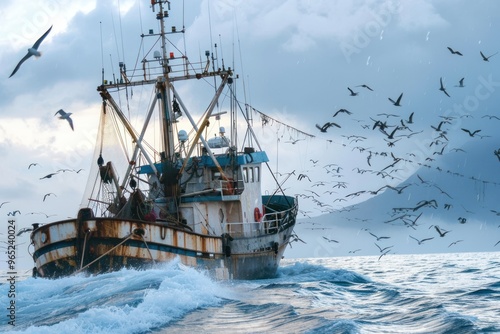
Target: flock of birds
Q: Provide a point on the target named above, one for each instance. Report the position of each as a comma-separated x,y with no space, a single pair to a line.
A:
44,197
392,133
394,128
33,51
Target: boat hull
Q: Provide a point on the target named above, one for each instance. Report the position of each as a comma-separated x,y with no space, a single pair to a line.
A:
97,245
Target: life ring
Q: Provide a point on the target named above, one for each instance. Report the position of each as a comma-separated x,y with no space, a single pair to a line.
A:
257,214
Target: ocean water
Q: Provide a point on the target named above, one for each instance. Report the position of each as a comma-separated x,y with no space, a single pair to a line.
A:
436,293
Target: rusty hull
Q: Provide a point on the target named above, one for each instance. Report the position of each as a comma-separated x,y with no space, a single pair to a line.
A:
98,245
65,247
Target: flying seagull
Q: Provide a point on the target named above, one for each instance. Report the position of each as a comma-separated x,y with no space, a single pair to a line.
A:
487,58
365,86
66,116
455,52
379,238
33,51
24,230
330,240
421,241
460,83
342,111
442,87
48,194
442,233
397,102
326,126
471,133
352,93
48,176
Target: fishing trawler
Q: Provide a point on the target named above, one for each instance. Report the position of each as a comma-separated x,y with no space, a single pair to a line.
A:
157,191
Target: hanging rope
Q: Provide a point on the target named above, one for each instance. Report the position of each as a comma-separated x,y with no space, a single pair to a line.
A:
266,119
103,255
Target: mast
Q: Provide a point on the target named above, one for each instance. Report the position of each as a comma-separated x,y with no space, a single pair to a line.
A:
162,86
169,175
167,100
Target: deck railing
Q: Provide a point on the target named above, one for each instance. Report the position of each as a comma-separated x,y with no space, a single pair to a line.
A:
270,223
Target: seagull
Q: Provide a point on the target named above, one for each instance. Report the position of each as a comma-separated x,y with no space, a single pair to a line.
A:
326,126
383,254
378,238
32,164
410,119
397,102
441,233
64,170
442,87
421,241
330,240
40,213
33,51
48,176
66,116
13,213
454,243
460,83
352,92
301,176
383,249
471,133
292,141
342,111
48,194
455,52
491,116
487,58
23,230
365,86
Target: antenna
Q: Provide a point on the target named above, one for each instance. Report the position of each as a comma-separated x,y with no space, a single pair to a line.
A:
221,54
102,54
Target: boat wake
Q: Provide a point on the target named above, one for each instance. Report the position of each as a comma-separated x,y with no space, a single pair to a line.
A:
127,301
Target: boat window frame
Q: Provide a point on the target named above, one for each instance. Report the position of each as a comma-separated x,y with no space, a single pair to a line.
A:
245,174
251,178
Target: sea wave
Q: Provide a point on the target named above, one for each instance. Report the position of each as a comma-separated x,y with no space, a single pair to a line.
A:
127,301
402,294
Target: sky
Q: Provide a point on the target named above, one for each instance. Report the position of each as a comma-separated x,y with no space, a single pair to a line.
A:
296,60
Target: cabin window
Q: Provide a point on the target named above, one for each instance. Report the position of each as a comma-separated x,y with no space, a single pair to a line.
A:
245,174
257,174
250,174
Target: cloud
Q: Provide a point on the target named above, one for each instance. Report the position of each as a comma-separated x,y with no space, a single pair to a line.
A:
419,15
